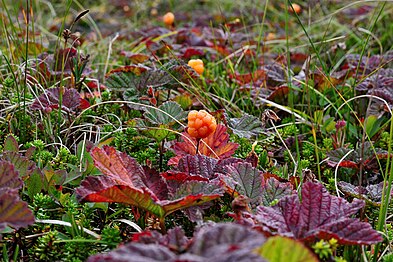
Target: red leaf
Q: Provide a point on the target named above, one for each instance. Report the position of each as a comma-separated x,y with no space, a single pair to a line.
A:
84,104
135,58
257,76
348,164
190,52
122,168
125,181
216,145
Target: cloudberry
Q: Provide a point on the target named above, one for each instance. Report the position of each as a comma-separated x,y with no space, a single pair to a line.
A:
296,8
197,65
201,124
168,18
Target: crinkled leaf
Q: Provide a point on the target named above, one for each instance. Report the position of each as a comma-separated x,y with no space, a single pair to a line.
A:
70,99
125,181
166,114
372,194
224,238
247,126
198,165
122,168
277,249
349,231
274,189
9,177
245,180
216,145
213,242
155,182
136,77
134,80
365,153
319,215
175,239
34,184
368,64
13,211
104,189
22,164
136,252
336,155
196,188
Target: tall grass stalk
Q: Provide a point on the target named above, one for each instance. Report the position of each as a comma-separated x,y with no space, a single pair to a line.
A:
387,189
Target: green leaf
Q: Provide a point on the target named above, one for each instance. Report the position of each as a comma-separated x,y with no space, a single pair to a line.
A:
10,144
373,125
247,126
166,114
22,164
277,249
158,133
134,80
244,179
34,184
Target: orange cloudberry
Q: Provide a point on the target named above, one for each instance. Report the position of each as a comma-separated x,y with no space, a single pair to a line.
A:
201,124
197,65
168,18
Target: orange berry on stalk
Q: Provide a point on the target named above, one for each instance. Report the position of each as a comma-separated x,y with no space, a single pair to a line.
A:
296,8
197,65
168,18
201,124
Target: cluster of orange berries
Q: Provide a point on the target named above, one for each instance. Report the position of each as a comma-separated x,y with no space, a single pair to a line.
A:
201,124
197,65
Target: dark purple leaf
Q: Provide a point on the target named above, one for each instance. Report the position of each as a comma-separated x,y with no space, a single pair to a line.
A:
368,64
196,188
213,242
13,211
372,194
274,189
70,100
224,238
9,177
155,182
198,165
22,164
349,231
136,252
319,215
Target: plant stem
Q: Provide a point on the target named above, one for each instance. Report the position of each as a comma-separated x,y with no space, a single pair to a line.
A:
197,145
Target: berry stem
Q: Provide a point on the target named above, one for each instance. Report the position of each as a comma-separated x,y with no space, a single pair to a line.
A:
197,145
